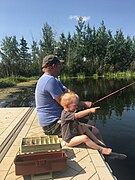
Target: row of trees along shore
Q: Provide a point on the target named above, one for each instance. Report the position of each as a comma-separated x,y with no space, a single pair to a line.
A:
88,51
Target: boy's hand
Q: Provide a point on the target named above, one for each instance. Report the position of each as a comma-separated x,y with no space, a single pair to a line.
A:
93,110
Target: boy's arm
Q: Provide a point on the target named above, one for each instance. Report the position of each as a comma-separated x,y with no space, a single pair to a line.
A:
85,112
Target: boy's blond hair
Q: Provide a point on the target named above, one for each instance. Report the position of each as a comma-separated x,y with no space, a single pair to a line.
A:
68,98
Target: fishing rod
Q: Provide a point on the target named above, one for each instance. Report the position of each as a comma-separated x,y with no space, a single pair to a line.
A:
105,97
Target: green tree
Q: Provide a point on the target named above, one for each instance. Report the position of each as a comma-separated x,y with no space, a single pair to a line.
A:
78,52
36,64
62,47
87,52
132,64
25,58
102,39
115,51
10,56
129,54
90,49
47,44
80,39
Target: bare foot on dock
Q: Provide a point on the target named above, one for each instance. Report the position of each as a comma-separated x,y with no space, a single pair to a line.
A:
106,151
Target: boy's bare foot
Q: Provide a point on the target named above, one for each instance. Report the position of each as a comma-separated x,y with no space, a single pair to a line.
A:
106,151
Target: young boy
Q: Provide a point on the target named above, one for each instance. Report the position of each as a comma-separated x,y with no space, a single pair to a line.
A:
73,132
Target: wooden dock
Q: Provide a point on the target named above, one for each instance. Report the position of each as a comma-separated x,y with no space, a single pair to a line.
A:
17,123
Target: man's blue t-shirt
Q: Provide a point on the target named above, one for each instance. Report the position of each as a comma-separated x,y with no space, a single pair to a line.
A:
48,110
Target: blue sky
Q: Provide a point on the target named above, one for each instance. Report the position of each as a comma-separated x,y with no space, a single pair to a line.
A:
27,17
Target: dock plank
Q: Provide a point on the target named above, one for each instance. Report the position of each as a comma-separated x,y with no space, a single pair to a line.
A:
82,162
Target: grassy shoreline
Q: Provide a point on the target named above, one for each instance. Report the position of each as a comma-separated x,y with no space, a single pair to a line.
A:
117,75
15,80
127,74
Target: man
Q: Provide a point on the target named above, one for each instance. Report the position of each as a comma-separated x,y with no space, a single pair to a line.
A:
47,96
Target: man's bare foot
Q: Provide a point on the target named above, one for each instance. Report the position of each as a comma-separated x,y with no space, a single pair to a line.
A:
106,151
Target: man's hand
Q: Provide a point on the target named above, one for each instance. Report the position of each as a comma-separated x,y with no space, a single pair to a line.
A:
87,104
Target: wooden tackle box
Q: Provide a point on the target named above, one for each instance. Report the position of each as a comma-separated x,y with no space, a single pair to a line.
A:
37,163
40,155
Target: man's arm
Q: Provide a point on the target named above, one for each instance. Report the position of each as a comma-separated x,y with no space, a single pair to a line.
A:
58,98
86,104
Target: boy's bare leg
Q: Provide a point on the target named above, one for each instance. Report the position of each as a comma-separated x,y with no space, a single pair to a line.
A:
85,139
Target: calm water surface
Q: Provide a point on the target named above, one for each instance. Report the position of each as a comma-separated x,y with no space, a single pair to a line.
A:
115,118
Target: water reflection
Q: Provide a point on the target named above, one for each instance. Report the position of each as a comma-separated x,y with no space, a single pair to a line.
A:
23,98
91,89
115,118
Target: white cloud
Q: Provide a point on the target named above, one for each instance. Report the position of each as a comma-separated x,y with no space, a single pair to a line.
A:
84,18
74,17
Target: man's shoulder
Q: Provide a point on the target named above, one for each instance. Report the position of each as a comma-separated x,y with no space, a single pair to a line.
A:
46,77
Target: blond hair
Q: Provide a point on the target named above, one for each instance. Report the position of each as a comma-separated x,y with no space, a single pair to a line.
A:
68,98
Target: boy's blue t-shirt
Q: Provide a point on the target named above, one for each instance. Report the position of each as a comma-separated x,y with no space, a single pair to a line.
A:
48,110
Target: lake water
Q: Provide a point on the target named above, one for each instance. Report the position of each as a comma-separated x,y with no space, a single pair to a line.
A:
115,118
